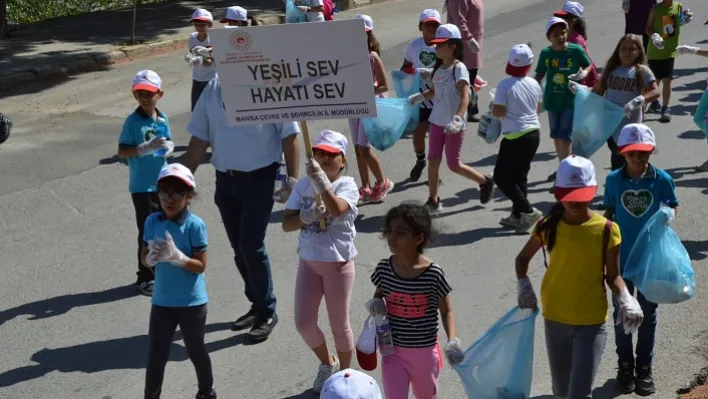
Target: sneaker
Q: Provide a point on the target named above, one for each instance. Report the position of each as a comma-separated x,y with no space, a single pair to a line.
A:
433,206
665,114
323,373
417,170
262,329
378,193
528,220
702,168
146,287
210,395
551,177
509,221
625,377
654,107
364,195
486,190
244,322
645,382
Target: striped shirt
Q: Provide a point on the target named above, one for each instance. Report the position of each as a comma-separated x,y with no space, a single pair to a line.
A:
412,303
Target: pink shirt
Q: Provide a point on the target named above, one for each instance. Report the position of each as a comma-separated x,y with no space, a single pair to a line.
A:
468,16
594,77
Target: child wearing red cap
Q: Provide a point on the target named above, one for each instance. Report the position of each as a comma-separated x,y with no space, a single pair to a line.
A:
584,252
326,255
199,56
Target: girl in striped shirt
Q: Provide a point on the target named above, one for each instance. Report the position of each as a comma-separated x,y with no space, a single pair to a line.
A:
410,290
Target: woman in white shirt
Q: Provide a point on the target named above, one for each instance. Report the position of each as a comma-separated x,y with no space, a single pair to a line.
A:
516,103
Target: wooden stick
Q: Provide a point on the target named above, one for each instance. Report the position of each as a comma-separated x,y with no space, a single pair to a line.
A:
308,151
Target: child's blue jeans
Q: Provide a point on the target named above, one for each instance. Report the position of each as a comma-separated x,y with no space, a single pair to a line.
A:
646,334
561,124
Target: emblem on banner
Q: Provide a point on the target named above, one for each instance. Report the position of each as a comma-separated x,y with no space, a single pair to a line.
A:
241,40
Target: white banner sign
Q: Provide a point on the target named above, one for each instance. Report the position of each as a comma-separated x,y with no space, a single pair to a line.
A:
294,72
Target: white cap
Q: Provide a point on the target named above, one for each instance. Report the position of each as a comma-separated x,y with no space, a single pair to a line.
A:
368,22
147,80
446,32
235,13
332,141
350,384
521,56
430,15
201,14
575,180
179,171
553,21
572,8
636,137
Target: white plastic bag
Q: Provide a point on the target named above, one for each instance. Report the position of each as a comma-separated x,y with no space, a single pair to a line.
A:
489,127
367,340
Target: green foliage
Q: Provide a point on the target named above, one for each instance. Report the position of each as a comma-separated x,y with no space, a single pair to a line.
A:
28,11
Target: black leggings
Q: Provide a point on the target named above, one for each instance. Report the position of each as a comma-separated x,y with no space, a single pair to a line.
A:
144,204
512,169
197,89
163,323
616,160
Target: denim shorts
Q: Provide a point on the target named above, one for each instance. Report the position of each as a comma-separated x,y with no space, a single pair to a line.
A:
561,124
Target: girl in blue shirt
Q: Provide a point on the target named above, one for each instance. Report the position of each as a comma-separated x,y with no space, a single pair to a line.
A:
175,246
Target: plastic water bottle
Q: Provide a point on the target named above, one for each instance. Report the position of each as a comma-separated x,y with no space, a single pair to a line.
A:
281,175
161,131
384,336
684,16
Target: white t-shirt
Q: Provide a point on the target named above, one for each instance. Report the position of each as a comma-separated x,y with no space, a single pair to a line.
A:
421,56
520,96
447,96
336,243
201,73
314,16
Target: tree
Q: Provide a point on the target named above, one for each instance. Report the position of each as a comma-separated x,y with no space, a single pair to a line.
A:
133,39
4,28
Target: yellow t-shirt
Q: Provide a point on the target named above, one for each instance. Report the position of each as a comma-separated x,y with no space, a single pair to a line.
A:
572,291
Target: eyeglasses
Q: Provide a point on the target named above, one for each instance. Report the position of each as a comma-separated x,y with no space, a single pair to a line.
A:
170,196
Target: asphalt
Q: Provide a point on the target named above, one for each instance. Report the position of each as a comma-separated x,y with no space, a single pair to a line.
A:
72,325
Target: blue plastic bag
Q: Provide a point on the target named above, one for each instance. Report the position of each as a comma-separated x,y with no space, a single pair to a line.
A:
500,363
393,116
595,119
659,265
405,85
701,116
292,14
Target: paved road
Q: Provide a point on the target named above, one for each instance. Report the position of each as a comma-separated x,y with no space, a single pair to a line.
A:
72,326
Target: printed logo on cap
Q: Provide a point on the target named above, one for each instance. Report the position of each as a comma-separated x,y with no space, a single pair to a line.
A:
241,40
575,178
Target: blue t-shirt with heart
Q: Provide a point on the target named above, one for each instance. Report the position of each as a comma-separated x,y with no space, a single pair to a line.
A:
635,201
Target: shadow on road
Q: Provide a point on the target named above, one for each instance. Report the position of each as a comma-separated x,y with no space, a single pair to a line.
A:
697,250
469,237
60,305
309,394
692,135
695,183
113,354
679,73
491,160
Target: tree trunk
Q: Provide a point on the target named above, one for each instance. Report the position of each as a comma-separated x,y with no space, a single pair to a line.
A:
4,28
135,20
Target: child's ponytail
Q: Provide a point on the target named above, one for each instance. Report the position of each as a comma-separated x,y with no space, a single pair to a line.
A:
254,21
581,27
458,53
548,226
372,43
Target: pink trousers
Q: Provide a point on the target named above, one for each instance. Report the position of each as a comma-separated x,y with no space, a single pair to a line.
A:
334,281
417,367
438,142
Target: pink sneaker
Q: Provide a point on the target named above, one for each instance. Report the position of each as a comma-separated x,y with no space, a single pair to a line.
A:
380,190
364,195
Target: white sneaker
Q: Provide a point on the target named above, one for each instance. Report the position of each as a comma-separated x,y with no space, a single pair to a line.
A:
528,220
323,373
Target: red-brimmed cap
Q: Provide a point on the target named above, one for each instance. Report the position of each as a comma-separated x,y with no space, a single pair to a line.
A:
332,142
636,137
367,361
575,180
147,80
446,32
203,15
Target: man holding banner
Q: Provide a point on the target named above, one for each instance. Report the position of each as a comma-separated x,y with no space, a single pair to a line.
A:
246,159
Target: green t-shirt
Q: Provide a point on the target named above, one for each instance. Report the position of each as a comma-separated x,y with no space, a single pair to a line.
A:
557,66
667,24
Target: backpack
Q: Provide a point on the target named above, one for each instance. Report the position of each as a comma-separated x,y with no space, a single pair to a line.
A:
328,10
5,128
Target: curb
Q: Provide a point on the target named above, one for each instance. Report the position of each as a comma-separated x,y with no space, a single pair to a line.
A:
699,379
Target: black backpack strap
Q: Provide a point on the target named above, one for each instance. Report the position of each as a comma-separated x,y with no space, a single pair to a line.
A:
606,233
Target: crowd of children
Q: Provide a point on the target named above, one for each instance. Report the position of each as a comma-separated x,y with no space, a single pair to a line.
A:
410,289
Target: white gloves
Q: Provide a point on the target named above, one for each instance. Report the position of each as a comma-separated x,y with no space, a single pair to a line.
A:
633,105
683,49
525,295
202,51
425,73
302,8
416,98
455,126
156,143
165,251
658,41
453,352
314,214
573,86
670,215
630,315
376,307
282,194
473,45
192,59
319,180
578,76
625,6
